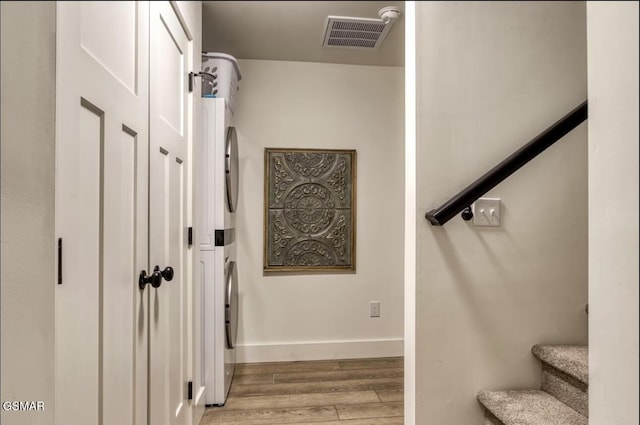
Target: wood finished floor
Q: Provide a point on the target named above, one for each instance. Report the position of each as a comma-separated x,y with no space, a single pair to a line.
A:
332,392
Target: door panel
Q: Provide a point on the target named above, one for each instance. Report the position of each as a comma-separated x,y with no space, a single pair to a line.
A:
81,283
111,42
101,213
170,62
118,326
169,141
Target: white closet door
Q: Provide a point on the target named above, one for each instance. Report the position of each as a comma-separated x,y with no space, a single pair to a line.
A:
168,187
101,328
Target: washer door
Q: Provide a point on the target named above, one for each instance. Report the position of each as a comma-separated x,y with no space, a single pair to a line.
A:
231,169
231,305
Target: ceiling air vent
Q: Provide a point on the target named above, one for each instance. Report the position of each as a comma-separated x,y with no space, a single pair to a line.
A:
359,33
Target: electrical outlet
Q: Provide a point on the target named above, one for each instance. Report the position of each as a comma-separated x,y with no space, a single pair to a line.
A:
374,309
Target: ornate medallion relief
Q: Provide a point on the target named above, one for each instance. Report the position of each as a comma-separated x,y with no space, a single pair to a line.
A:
309,209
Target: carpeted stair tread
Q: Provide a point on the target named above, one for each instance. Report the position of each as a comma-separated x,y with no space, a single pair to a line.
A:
529,407
570,359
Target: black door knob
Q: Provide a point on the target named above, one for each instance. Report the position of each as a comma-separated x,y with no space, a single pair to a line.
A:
167,273
155,279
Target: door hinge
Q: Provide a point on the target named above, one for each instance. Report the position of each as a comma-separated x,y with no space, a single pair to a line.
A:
191,77
190,390
190,236
59,261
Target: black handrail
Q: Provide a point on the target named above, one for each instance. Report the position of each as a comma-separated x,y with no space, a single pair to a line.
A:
510,165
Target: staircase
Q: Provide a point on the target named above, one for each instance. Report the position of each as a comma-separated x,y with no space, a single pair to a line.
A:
562,400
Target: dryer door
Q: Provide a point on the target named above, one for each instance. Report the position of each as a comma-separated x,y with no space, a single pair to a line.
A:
231,305
231,169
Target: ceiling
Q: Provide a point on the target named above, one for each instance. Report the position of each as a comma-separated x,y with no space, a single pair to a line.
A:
293,31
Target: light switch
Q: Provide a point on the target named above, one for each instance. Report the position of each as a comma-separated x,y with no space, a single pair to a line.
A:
486,212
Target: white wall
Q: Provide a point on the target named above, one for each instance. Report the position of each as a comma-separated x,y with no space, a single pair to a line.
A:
28,105
312,105
410,223
613,212
491,76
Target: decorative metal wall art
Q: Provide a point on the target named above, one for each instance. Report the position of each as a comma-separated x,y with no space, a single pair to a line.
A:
309,212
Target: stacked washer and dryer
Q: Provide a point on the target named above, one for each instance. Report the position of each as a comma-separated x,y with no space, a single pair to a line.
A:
220,75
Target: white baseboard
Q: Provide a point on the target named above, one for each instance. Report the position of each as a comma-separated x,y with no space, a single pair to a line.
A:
322,350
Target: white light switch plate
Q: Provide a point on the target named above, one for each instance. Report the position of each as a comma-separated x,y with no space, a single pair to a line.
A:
486,212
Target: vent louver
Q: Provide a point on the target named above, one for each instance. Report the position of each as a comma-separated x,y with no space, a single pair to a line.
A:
355,33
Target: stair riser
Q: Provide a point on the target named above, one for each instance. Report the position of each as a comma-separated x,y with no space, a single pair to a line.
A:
527,407
489,419
566,388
